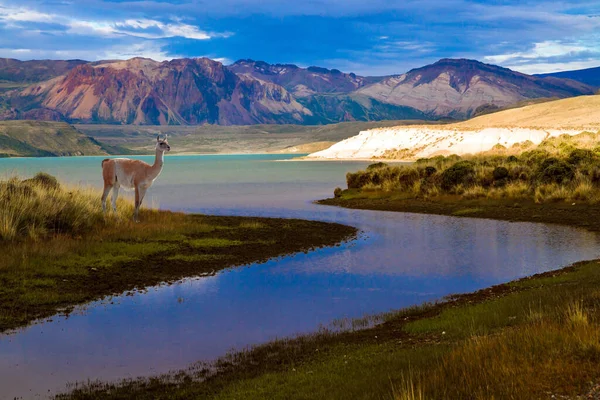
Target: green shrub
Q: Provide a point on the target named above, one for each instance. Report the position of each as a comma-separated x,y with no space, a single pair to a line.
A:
45,180
500,173
512,159
408,176
356,180
554,170
536,156
376,166
461,173
579,156
337,192
429,171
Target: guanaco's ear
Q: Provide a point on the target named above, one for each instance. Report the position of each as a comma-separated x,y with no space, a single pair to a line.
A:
158,138
165,136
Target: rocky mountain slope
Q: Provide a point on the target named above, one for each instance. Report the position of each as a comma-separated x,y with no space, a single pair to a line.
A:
303,82
507,128
588,76
143,91
457,88
197,91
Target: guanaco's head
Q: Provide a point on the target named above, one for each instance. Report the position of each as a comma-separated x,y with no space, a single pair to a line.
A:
162,145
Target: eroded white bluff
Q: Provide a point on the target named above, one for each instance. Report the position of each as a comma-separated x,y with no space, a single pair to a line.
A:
410,143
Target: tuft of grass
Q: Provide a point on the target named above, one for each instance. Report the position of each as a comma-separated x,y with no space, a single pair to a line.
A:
197,257
213,242
467,211
251,225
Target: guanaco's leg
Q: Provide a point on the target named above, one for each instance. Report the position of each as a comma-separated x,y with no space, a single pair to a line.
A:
104,196
110,178
137,204
115,195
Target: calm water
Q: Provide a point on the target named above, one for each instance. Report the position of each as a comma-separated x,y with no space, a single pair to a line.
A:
400,260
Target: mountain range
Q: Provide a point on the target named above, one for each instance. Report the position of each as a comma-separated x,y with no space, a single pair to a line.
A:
589,76
203,91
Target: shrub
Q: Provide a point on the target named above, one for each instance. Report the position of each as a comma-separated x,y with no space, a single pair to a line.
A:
536,156
408,176
429,171
500,173
356,180
45,180
554,170
376,166
461,173
337,192
512,159
578,156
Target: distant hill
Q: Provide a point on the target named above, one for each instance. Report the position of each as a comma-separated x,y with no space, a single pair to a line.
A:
43,139
508,129
577,113
589,76
206,139
16,71
202,91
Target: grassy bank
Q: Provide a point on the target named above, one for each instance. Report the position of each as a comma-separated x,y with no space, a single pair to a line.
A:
532,338
58,250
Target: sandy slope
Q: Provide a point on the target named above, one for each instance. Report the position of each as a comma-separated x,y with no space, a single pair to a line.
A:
506,128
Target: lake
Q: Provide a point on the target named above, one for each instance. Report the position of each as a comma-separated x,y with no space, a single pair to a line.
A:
398,260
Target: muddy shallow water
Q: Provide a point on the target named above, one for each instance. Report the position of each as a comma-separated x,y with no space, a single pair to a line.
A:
399,260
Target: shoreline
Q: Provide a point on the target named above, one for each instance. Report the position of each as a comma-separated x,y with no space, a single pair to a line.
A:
579,215
64,272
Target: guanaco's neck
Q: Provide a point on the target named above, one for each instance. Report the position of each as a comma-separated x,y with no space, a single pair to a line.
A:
159,160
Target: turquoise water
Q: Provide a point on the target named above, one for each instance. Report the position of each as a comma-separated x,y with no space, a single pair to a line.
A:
399,260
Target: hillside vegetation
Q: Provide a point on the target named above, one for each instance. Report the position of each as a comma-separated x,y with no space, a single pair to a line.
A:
564,168
41,139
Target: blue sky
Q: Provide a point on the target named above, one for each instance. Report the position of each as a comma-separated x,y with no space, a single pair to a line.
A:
368,37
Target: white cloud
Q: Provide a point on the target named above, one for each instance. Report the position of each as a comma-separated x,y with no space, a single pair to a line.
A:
544,49
222,60
146,49
141,28
542,68
152,29
23,15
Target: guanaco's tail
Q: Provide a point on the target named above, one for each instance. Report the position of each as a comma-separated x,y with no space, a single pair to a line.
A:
105,160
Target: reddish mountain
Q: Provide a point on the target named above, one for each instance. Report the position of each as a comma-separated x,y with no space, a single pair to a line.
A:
143,91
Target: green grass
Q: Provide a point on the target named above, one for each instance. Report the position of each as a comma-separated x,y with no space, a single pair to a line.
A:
213,242
59,250
466,211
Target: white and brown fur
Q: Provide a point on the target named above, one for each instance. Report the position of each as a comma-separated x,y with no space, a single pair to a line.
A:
132,174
